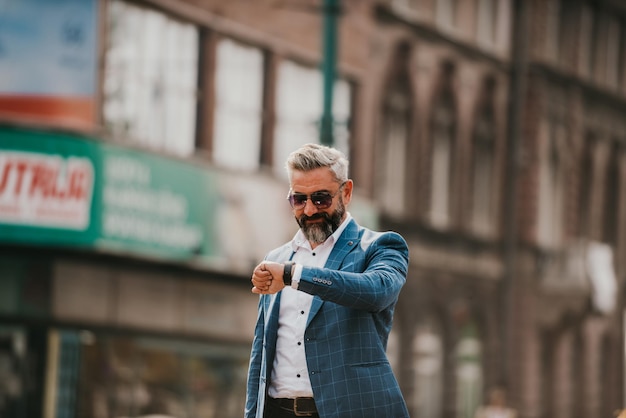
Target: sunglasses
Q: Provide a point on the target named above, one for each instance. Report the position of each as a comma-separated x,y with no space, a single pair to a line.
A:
321,200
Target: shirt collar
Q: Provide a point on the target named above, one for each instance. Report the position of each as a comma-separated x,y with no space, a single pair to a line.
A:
299,240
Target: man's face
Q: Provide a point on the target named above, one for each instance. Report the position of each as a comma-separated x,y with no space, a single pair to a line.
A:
318,222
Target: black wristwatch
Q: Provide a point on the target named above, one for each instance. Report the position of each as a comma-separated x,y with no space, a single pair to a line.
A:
287,273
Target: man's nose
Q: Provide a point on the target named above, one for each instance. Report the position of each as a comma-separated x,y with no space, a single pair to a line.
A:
309,208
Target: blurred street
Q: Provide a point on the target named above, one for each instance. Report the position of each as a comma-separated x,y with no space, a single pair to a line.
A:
142,150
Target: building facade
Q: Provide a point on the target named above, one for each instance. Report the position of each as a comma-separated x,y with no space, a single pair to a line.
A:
141,179
502,135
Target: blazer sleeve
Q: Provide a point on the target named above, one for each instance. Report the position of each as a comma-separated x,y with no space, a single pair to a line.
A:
370,277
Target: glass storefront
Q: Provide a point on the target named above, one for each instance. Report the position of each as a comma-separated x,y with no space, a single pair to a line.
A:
12,371
124,377
21,368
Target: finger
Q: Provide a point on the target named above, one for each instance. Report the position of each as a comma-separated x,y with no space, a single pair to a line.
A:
265,277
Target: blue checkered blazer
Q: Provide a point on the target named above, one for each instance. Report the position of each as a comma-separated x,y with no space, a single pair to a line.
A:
347,329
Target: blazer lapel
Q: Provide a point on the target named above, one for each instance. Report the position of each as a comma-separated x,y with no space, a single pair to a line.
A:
347,241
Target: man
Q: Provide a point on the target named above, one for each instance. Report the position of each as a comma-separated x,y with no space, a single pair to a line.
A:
496,406
326,305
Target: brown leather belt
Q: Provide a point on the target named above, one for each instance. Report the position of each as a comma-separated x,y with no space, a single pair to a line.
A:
301,407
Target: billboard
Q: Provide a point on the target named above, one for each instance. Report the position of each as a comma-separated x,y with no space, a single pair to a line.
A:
70,190
48,69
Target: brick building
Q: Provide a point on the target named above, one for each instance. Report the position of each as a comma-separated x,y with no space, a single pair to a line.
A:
152,134
513,191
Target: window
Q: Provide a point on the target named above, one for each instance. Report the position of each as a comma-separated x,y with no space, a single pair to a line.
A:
567,29
394,137
585,183
469,376
586,35
428,370
409,8
486,26
612,197
150,79
17,379
597,43
299,110
552,183
483,163
621,60
554,10
446,13
612,52
143,376
238,105
443,135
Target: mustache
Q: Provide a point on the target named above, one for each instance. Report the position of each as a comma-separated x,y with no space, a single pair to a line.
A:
315,216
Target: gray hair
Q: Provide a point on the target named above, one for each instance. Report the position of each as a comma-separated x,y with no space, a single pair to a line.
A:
312,156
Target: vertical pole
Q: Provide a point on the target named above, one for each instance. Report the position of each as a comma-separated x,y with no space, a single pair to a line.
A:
331,13
515,113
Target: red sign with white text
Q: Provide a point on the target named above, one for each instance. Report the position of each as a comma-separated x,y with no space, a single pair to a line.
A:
45,190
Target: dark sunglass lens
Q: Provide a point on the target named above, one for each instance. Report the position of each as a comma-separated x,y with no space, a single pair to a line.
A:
298,200
322,200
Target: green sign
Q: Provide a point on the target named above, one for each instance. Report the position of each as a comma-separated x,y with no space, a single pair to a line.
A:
153,203
61,189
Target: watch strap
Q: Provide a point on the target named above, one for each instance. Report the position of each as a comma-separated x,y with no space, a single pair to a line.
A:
287,273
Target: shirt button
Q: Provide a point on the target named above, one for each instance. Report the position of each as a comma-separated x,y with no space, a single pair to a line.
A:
301,312
313,254
298,375
299,342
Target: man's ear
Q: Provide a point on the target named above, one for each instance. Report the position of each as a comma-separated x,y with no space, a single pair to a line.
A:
347,191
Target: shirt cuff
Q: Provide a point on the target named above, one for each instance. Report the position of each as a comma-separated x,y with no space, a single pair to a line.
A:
297,273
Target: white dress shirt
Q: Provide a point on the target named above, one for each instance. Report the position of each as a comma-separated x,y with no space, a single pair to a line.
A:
290,375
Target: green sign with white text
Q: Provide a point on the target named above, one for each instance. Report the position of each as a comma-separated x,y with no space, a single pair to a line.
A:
67,190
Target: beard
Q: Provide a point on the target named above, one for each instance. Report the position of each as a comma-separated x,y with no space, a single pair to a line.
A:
319,232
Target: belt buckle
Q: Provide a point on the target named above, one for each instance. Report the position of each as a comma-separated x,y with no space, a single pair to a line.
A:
298,413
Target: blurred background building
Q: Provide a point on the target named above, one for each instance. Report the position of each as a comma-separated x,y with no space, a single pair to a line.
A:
141,178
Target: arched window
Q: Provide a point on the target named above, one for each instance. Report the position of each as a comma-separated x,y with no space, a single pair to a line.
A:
443,135
428,370
612,197
585,182
394,135
483,160
552,182
469,376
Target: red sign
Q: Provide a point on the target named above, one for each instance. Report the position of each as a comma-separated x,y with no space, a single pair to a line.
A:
45,190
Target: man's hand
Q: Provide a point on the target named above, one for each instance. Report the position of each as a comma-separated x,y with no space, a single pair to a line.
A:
267,278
